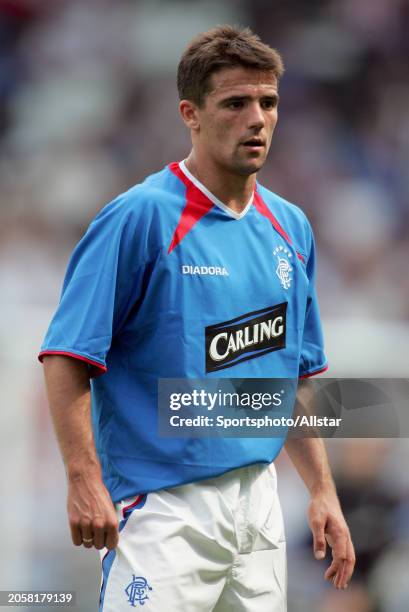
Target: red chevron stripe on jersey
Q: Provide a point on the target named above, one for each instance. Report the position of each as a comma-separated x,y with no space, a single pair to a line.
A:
197,206
264,210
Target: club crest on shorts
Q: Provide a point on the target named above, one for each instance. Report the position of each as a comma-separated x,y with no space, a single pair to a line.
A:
137,591
284,267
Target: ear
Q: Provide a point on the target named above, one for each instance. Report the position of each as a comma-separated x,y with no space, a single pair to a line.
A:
190,114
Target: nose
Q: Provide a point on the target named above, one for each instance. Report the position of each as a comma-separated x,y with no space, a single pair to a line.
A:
256,118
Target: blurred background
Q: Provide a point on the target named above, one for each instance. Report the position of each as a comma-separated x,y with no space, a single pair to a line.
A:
88,107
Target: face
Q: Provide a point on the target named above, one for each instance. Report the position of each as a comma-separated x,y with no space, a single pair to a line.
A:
237,120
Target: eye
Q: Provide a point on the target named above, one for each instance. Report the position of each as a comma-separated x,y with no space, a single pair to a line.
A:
269,103
235,104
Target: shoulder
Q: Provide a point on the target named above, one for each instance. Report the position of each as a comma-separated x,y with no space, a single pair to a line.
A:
291,218
143,215
155,197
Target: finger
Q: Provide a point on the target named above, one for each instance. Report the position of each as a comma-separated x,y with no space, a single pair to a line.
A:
351,559
339,547
75,534
333,578
337,572
87,535
112,536
340,576
346,574
318,534
331,571
99,535
334,568
348,566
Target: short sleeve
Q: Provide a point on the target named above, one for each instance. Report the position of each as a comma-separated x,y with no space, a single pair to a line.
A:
312,359
102,283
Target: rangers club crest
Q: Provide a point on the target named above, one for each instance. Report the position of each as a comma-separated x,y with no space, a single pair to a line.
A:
284,267
137,591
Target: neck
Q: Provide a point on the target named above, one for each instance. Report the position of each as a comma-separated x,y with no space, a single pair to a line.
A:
233,190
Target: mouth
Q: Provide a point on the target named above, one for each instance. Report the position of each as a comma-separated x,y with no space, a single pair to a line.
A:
254,144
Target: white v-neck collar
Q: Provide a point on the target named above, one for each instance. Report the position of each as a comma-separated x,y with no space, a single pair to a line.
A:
212,197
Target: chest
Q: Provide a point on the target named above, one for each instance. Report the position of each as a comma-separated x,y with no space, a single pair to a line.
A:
226,268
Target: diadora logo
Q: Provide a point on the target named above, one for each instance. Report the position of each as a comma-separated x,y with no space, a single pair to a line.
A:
284,267
205,270
137,591
247,337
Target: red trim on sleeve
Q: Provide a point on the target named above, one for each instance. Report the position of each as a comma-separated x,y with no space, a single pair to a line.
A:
197,206
324,369
101,369
266,212
300,257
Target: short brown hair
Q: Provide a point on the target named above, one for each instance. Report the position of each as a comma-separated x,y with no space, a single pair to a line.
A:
222,47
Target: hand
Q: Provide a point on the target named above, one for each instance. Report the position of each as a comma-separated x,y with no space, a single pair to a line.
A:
91,513
327,524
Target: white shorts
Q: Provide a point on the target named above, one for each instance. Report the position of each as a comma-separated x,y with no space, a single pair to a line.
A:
214,545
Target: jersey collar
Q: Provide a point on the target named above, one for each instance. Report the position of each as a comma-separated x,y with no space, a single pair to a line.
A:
212,197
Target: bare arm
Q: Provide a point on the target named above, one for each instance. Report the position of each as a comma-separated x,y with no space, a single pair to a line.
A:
325,515
91,513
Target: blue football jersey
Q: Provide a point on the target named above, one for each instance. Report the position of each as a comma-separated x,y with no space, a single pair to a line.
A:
168,282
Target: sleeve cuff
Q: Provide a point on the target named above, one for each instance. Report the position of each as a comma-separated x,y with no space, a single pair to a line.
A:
314,372
95,368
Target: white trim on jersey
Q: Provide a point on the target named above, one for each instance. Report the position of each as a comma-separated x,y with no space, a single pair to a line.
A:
212,197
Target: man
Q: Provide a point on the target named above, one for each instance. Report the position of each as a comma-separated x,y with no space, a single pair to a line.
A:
164,284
